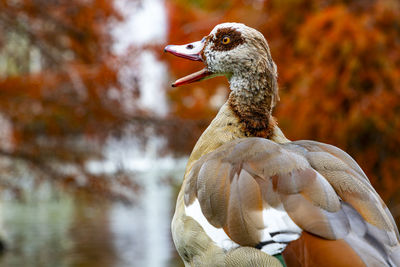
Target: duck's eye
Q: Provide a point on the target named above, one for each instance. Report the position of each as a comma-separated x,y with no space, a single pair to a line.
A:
226,40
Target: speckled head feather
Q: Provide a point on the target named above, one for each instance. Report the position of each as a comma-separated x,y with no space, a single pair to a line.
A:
246,61
242,55
242,60
247,46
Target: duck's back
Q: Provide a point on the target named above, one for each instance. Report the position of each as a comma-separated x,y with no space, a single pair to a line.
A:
307,200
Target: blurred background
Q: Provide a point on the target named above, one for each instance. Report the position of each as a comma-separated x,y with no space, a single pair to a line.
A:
94,141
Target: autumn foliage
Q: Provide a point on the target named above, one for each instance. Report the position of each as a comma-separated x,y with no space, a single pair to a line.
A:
56,71
339,73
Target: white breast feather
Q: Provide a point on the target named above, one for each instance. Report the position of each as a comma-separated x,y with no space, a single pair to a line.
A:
218,235
278,221
274,221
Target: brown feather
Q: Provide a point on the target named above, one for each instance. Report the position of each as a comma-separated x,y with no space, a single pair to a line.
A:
244,212
348,180
235,39
311,250
322,194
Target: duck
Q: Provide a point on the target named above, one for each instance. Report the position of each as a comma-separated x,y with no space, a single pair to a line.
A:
252,197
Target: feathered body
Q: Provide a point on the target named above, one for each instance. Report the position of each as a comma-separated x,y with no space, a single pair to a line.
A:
249,193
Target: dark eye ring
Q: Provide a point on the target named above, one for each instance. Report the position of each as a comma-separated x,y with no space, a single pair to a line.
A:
226,40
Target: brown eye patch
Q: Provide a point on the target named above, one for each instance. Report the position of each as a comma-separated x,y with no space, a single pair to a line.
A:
234,36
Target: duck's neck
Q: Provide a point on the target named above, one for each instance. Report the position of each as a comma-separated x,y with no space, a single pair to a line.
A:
253,96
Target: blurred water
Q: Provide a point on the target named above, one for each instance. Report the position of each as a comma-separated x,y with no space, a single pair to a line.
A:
146,226
37,233
68,231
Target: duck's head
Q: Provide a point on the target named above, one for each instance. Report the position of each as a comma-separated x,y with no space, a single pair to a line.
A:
232,50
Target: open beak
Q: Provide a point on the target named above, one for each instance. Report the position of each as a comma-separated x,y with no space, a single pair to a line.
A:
190,51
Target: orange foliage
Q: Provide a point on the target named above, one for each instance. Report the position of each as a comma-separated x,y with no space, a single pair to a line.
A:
66,100
339,73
